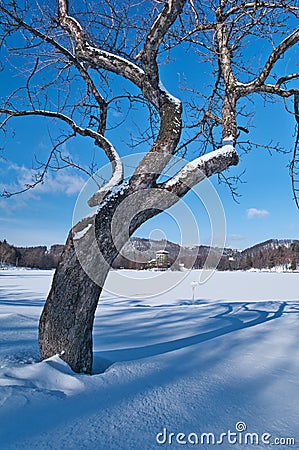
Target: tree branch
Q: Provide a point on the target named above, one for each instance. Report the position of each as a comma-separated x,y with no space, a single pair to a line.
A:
39,177
255,85
79,66
291,40
100,141
255,4
286,78
168,107
274,89
148,55
200,168
95,56
294,165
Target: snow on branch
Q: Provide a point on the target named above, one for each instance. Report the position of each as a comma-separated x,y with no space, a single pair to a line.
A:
291,76
79,234
202,167
146,78
68,22
99,57
116,179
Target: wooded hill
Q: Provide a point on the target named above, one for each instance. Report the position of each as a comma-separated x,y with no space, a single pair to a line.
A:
266,255
33,257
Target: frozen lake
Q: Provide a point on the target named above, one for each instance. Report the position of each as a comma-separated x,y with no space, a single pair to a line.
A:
229,358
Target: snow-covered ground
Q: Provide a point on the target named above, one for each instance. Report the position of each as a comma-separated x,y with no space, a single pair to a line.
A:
227,361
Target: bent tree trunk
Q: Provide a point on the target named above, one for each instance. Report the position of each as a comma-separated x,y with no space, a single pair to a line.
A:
66,322
67,319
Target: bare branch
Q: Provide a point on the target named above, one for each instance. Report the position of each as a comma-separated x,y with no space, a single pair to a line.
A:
294,165
254,5
291,76
274,89
69,23
104,39
278,52
96,56
202,167
148,55
168,107
39,177
79,66
100,140
28,81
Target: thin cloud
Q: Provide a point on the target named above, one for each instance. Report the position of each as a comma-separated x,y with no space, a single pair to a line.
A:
254,212
15,177
64,181
237,237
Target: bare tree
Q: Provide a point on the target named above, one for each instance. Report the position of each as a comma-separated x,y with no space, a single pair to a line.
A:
73,58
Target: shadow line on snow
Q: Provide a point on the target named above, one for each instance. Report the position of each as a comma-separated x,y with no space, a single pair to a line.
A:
103,360
20,299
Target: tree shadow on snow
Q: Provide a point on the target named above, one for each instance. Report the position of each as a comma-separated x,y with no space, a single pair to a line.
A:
103,360
19,298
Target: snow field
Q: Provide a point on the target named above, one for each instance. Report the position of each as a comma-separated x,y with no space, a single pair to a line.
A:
160,363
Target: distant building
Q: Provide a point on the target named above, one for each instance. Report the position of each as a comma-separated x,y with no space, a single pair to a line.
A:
152,264
162,259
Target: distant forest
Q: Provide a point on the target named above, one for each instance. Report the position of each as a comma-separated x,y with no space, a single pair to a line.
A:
33,257
266,255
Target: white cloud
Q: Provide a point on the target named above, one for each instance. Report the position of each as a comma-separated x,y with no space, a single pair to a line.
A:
65,181
237,237
254,212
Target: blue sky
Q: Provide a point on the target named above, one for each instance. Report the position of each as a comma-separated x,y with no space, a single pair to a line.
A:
265,208
43,216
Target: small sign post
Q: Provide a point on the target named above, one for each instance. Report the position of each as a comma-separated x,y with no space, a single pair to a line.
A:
193,287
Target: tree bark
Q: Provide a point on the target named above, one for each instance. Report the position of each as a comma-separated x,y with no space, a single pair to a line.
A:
67,319
66,322
229,121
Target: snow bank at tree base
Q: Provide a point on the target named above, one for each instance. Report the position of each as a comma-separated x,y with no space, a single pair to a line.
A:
170,363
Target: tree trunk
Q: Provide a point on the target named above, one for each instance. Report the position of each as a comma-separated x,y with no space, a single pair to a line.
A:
229,122
67,319
66,322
